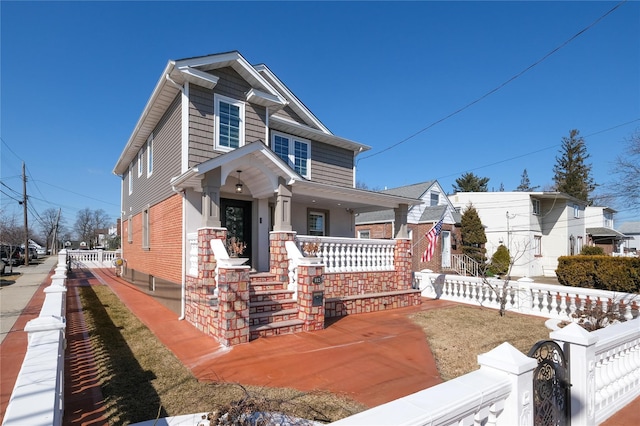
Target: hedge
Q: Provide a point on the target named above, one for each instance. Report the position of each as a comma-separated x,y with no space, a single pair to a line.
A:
600,272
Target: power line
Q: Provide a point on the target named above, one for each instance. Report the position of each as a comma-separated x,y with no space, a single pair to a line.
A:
494,90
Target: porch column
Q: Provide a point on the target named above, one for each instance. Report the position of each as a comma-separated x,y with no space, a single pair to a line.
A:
211,199
282,219
401,213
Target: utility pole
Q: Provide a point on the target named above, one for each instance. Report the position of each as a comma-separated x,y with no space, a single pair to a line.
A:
24,206
54,239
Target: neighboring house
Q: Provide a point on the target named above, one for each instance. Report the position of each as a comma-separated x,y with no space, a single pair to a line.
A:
536,227
421,218
600,232
225,156
632,231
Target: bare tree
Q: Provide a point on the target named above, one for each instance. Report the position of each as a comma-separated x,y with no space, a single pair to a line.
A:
50,219
88,223
626,186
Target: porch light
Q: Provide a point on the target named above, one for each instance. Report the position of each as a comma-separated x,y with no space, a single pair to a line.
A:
239,185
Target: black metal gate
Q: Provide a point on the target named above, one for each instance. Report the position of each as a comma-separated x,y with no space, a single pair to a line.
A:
551,385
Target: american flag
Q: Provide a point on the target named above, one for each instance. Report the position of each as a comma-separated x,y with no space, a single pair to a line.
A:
432,239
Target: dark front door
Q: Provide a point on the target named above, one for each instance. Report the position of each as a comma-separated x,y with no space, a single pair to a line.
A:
236,217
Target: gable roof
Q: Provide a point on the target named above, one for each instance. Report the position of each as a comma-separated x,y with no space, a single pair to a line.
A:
267,90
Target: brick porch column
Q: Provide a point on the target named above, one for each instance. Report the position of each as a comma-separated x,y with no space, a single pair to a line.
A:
278,263
200,290
311,294
402,261
233,305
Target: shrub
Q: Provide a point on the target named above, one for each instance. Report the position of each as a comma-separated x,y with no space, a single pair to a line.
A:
500,261
592,251
600,272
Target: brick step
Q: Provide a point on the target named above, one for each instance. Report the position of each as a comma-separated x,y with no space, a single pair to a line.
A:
272,306
259,286
275,329
269,295
274,317
262,276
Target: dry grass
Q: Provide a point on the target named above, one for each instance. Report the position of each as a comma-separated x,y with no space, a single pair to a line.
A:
142,379
458,334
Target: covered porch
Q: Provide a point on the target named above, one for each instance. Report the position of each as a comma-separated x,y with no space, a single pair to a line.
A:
275,252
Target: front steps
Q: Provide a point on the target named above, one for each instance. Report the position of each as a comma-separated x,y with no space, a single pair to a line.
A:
272,308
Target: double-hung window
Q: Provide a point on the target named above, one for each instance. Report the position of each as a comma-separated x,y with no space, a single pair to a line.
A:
435,199
537,245
145,228
576,211
296,152
317,223
229,123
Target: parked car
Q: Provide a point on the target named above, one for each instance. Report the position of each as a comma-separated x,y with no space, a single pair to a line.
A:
41,251
11,255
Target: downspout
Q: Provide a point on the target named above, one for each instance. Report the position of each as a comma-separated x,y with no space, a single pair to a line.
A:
183,263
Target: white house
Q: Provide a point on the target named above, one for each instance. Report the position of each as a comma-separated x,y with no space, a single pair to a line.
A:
536,227
632,231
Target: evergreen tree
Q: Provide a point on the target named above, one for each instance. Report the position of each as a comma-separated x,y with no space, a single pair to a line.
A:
473,235
501,187
571,173
469,182
525,184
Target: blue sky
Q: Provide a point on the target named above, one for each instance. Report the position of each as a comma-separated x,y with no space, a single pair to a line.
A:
75,77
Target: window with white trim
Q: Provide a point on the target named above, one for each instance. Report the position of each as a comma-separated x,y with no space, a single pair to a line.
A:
535,206
364,234
579,244
140,156
295,151
435,199
537,245
129,229
131,178
150,156
229,116
317,223
145,228
608,220
576,211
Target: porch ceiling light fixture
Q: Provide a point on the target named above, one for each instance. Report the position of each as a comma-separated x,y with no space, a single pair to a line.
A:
239,185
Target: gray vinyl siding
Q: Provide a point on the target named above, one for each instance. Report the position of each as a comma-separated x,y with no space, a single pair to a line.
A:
331,165
289,114
201,115
166,164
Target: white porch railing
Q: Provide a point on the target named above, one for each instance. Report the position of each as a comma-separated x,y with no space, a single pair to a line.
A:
523,296
351,254
92,258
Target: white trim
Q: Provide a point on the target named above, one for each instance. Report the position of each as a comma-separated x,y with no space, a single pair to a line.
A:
217,99
150,155
131,178
140,157
184,164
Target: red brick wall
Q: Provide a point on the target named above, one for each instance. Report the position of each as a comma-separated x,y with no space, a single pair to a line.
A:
377,230
419,245
163,259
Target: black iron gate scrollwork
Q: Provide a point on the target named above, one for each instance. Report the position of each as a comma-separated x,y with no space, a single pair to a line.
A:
551,385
